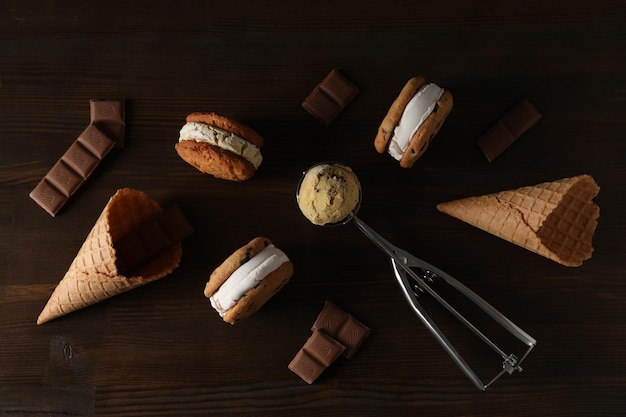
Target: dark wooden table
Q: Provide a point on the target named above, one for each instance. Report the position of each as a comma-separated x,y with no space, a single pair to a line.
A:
162,350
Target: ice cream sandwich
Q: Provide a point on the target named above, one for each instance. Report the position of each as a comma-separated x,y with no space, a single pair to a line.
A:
220,146
247,279
413,120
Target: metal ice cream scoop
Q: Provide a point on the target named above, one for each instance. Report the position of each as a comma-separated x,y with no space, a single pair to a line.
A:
416,277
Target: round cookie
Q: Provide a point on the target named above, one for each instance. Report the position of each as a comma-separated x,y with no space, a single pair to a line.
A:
253,299
424,134
212,159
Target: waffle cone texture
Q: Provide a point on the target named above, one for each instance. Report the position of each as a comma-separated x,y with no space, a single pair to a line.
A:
93,275
554,219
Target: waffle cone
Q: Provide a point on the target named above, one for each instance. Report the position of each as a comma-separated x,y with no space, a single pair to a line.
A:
93,275
554,219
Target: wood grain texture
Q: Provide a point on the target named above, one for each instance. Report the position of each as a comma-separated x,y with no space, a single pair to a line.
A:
161,350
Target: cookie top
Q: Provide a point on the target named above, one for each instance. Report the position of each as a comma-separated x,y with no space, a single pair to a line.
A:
233,262
230,125
391,120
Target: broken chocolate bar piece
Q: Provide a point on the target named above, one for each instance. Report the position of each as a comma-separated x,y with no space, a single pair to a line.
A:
72,170
508,129
334,332
323,348
76,165
342,327
150,239
306,367
330,97
317,354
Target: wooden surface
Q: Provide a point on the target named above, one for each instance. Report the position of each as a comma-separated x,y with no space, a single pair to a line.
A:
162,350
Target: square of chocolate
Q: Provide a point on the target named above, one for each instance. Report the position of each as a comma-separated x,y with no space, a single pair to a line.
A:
323,348
338,88
96,141
80,160
48,197
103,110
321,106
330,319
64,178
352,334
306,367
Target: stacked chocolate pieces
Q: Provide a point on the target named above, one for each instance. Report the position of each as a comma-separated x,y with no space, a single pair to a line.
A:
105,132
335,332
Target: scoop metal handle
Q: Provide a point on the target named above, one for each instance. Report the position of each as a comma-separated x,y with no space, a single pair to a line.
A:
402,262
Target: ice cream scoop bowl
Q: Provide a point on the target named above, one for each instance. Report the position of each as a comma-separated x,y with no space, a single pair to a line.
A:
415,276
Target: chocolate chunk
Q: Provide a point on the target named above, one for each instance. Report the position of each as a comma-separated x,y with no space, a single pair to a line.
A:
342,327
330,319
323,348
306,367
508,129
338,88
317,354
82,157
108,115
150,239
330,97
64,178
48,197
352,334
322,107
93,139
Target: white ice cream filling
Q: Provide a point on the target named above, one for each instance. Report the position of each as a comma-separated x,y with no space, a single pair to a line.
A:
415,113
246,277
201,132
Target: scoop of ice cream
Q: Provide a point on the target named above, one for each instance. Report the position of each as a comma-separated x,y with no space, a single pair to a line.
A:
328,193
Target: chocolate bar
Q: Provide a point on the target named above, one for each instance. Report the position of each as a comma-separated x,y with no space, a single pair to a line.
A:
83,156
72,170
342,327
335,332
508,129
317,354
330,97
150,239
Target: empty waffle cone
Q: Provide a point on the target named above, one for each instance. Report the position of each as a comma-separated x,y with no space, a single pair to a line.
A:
554,219
93,275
